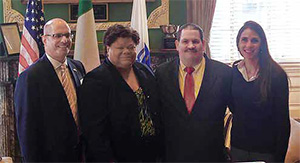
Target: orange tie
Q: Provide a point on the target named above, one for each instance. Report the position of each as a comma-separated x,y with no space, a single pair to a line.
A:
189,89
70,91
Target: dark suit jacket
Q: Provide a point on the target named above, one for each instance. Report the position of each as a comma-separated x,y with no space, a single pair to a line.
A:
45,125
110,116
197,136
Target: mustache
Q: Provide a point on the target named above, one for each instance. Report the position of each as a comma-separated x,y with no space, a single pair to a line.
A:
191,50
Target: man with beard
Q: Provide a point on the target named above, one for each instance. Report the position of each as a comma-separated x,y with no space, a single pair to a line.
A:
46,101
195,91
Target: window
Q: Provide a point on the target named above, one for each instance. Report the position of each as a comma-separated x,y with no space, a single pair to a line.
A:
279,19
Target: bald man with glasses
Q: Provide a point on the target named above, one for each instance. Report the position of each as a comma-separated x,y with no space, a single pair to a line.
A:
46,101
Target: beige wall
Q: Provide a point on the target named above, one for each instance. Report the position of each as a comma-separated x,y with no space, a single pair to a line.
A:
293,71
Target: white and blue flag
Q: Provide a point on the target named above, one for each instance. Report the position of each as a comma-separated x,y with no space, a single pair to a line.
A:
139,23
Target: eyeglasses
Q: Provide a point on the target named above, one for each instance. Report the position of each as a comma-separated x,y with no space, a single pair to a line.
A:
60,35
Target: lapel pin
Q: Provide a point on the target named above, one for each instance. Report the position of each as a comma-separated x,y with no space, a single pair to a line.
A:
75,70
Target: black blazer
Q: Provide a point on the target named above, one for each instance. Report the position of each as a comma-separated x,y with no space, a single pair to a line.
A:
45,125
195,137
110,116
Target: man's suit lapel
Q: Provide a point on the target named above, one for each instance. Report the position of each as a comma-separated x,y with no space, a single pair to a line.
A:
74,73
175,92
51,83
208,81
53,87
49,72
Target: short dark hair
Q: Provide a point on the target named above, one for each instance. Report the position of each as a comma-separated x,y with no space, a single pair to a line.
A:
116,31
191,26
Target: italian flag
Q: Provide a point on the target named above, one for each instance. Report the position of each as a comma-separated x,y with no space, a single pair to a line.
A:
86,45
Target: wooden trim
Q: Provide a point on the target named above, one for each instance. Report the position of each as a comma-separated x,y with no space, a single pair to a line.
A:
159,16
76,1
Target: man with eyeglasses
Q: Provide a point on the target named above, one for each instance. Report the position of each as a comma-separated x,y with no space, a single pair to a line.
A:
46,101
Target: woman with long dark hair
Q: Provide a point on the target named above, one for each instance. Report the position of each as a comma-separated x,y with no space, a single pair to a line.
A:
260,95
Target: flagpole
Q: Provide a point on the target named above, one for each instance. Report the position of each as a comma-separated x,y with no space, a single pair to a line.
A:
42,1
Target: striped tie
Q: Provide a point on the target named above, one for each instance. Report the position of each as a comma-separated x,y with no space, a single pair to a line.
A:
69,90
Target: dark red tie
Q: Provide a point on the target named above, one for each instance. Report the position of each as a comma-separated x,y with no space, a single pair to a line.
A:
189,89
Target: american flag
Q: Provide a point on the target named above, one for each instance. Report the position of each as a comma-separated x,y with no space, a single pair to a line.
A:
31,44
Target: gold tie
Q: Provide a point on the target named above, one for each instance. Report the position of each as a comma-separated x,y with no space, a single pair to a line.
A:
69,90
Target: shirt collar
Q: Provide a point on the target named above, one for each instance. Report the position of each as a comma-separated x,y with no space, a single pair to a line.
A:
196,67
56,64
242,68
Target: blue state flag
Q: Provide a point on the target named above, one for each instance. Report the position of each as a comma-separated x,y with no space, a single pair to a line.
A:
139,23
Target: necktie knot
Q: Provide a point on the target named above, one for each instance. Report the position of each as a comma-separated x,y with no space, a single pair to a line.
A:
189,70
63,67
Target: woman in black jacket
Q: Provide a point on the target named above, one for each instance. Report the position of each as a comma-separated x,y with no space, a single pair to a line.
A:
119,105
260,101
